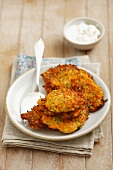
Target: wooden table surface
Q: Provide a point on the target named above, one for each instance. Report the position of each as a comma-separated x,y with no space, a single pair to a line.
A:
21,23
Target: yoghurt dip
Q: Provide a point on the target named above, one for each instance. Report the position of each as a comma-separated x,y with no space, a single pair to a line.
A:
83,33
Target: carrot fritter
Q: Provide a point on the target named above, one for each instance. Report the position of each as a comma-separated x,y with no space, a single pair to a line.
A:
34,118
92,93
65,125
64,100
71,77
73,114
60,76
40,115
64,115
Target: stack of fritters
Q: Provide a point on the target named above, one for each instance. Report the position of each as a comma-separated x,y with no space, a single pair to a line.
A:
62,109
70,76
71,95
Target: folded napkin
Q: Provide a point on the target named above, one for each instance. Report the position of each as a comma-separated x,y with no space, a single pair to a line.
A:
82,146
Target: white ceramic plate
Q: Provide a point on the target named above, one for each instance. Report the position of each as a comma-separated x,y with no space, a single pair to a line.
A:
26,84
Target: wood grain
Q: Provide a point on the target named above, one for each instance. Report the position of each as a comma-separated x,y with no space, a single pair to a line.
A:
53,28
73,10
69,162
110,42
31,26
9,36
21,23
101,151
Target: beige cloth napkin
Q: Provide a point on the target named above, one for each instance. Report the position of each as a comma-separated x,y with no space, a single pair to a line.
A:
82,146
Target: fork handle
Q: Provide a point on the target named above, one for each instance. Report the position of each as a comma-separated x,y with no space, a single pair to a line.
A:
39,49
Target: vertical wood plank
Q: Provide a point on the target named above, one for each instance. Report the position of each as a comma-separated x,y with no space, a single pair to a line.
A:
9,35
31,30
45,160
10,28
52,34
110,35
53,28
73,9
70,162
31,27
19,158
102,151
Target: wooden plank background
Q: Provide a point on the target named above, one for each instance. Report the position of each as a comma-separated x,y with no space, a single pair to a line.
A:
21,23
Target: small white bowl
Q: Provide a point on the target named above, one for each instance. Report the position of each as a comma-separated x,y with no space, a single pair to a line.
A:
69,35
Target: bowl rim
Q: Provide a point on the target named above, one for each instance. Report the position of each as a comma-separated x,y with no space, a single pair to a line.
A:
85,19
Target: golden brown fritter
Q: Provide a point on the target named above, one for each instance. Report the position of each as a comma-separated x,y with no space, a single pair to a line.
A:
61,76
64,100
64,115
34,118
43,109
40,116
70,76
65,125
92,93
73,114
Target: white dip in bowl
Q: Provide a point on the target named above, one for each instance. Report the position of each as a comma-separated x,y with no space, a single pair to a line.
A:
83,33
